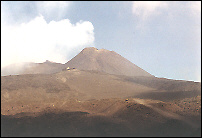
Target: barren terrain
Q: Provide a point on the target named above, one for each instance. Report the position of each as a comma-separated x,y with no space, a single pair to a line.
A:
102,100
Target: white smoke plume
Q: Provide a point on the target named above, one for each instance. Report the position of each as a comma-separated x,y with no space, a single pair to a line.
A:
37,40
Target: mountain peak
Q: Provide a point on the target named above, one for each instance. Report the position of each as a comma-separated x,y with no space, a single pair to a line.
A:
93,50
103,60
90,48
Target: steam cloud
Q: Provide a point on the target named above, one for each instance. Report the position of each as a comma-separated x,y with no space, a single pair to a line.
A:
37,40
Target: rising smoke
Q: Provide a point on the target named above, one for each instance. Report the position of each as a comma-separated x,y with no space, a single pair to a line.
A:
38,40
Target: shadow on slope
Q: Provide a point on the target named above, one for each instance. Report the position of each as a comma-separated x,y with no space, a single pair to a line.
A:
63,124
51,124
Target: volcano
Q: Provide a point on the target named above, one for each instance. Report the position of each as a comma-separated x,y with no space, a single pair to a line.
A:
105,61
96,93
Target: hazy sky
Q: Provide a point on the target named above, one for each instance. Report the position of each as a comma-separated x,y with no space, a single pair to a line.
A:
163,38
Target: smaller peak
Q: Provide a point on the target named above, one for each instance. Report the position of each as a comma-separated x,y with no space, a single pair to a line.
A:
47,61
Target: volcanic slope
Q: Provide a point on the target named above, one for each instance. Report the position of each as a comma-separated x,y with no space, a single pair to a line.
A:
91,103
105,117
105,61
79,85
65,85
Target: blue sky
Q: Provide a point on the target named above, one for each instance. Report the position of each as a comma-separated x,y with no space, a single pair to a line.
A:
163,38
